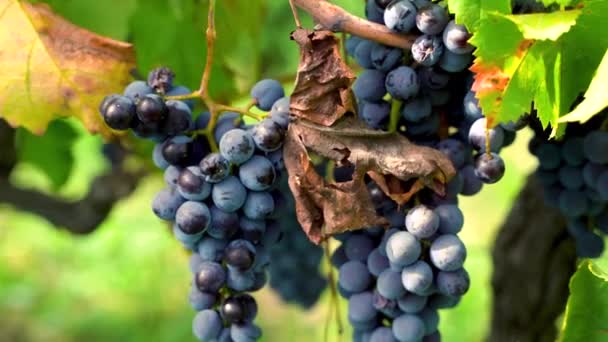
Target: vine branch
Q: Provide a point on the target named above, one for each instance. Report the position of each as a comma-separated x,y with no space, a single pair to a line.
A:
336,19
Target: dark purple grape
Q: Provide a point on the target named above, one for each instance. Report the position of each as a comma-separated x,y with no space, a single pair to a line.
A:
161,79
151,109
489,167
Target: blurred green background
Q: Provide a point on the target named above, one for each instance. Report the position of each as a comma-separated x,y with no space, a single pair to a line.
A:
129,280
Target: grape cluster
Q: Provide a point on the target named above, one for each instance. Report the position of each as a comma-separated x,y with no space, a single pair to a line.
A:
574,175
398,279
222,204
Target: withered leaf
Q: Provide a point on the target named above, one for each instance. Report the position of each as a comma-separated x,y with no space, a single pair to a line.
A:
322,92
399,167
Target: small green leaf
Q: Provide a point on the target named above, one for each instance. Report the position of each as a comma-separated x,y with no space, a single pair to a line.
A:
595,97
469,12
51,153
587,308
491,49
545,25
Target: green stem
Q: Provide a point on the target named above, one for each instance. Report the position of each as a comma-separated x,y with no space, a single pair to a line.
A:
395,114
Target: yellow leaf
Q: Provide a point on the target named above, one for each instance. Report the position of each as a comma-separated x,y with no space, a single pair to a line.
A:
52,68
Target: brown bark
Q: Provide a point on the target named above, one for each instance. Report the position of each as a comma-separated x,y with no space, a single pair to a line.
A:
534,258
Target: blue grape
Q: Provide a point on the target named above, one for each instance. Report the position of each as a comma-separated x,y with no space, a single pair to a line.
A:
412,303
214,167
257,174
454,150
382,334
177,150
240,280
202,120
351,44
441,301
252,230
369,86
387,235
137,89
432,19
422,221
258,205
571,177
266,92
408,328
358,247
210,277
448,252
207,325
389,284
201,300
430,319
376,115
472,183
572,151
354,277
451,219
452,62
151,108
489,167
456,38
417,109
400,16
158,159
453,283
589,245
118,112
171,175
373,12
191,184
425,128
595,146
385,58
268,135
548,156
376,262
166,204
427,50
195,262
193,217
472,111
417,277
179,118
573,203
237,146
591,172
361,308
402,249
161,79
338,258
181,90
223,224
363,54
279,113
477,136
433,78
247,332
211,249
402,83
240,254
602,186
229,194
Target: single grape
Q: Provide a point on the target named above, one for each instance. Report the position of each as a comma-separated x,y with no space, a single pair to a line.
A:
430,318
245,332
268,135
240,280
451,219
433,78
489,167
280,112
591,173
408,328
385,58
456,38
472,110
416,109
376,262
207,325
266,92
571,177
417,277
354,277
158,159
400,16
448,252
454,150
422,221
211,277
382,334
178,150
472,184
369,86
258,205
179,118
432,19
226,122
376,115
361,307
402,83
389,284
151,109
223,224
214,168
118,111
452,62
237,146
373,12
191,184
402,248
192,217
240,254
427,50
137,89
171,175
548,156
166,204
229,195
211,249
412,303
179,91
201,300
595,146
363,54
257,174
477,136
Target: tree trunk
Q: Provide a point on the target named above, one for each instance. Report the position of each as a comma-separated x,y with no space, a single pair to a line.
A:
534,258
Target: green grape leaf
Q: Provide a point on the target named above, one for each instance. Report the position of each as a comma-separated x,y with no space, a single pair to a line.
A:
519,63
545,25
51,153
595,97
587,307
469,12
51,68
559,2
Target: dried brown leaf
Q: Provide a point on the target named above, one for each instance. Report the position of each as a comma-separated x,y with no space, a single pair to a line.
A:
398,166
323,86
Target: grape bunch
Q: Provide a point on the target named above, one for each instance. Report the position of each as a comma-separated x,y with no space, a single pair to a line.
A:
398,279
223,205
574,175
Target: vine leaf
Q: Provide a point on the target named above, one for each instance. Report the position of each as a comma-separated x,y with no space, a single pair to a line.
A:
51,68
322,93
400,168
469,12
547,58
587,305
595,97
